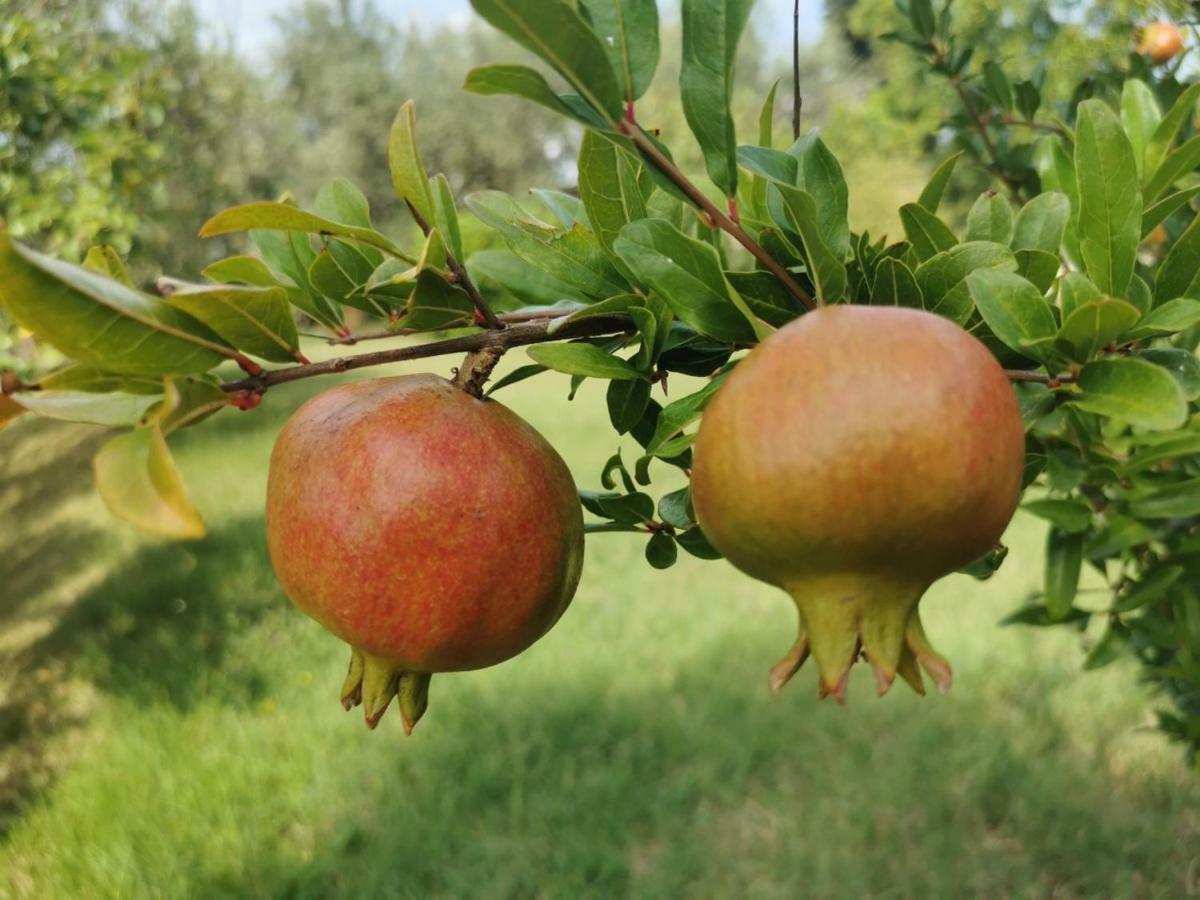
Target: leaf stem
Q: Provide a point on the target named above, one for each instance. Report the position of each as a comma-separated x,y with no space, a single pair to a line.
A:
461,276
516,335
660,161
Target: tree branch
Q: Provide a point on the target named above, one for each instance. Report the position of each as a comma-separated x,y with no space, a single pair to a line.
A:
517,335
379,334
797,99
659,160
1038,377
461,276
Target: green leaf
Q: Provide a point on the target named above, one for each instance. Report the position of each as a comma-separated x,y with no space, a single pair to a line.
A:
503,270
241,270
522,81
291,254
1152,587
558,34
920,14
661,551
1169,318
928,234
445,215
567,208
711,30
1012,308
1074,290
990,219
106,261
1042,222
802,217
257,321
340,201
436,303
138,482
766,140
676,510
1134,391
1168,129
409,178
1158,213
1038,267
628,30
613,185
766,296
1109,648
1176,501
574,256
284,217
1064,560
582,359
1182,364
1056,167
96,320
943,278
1179,275
1178,164
678,414
1039,617
1069,516
687,274
1092,326
627,401
1110,203
1119,534
819,174
895,285
112,409
998,87
931,195
1141,116
694,542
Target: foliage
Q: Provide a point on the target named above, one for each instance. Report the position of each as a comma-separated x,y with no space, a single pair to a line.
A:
645,277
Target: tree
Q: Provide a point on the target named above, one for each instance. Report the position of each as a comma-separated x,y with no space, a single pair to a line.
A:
1060,272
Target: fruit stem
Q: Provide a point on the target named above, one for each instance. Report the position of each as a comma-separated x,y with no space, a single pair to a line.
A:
476,368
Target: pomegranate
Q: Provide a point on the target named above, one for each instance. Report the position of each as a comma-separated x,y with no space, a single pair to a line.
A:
853,458
1161,41
430,530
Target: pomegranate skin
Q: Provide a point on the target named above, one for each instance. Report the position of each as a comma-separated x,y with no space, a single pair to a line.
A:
430,530
853,458
1161,41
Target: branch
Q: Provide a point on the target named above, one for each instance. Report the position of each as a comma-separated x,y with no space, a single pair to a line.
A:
980,125
514,336
1052,381
648,149
463,279
529,315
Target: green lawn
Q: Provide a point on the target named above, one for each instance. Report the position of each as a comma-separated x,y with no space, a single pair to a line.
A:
170,726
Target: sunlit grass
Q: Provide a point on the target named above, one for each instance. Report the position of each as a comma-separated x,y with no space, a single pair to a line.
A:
634,751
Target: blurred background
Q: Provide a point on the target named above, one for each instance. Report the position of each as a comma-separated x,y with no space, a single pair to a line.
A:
169,724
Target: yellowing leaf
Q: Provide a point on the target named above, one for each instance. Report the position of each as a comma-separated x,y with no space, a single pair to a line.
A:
138,482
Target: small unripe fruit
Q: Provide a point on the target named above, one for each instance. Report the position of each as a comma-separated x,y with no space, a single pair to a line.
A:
853,458
430,530
1161,41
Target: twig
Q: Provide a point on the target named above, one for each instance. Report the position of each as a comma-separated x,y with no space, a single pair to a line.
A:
1035,124
980,126
476,369
513,336
659,160
461,277
797,100
1038,377
533,315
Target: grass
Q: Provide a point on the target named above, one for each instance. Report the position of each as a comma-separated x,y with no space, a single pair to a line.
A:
171,728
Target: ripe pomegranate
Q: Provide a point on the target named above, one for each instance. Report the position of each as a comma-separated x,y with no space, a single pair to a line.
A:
853,458
429,529
1161,41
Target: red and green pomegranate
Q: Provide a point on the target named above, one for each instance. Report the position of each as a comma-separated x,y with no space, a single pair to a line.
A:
853,458
430,530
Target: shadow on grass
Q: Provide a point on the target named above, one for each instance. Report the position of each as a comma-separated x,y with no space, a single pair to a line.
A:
153,630
696,791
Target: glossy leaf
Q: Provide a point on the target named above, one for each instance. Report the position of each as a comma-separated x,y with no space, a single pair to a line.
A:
1064,561
1042,222
106,261
1134,391
558,34
94,319
284,217
687,274
1179,275
935,189
1095,325
1071,516
409,178
819,174
436,303
1141,116
445,215
943,279
1110,203
1173,502
613,185
680,413
661,551
895,285
1012,308
928,234
109,409
1182,364
1169,318
1168,129
1179,163
628,30
241,270
711,30
1074,290
582,359
254,320
990,219
627,399
802,217
1162,210
522,81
